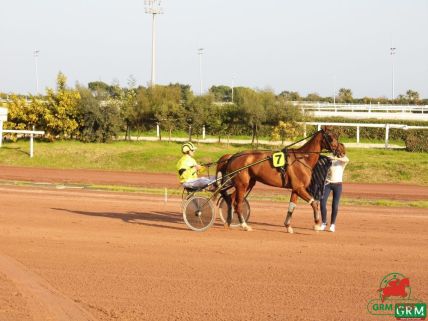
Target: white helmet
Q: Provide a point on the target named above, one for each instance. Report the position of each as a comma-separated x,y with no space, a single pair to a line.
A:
187,147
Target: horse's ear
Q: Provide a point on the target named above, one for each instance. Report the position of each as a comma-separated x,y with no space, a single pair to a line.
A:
325,128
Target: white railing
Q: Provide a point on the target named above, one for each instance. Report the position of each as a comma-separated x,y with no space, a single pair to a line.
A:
336,107
28,132
359,125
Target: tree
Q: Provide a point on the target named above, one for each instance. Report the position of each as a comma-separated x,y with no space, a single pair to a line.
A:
313,97
61,113
283,130
283,111
113,90
97,86
412,96
129,106
99,116
345,95
197,113
186,93
216,121
230,117
290,95
221,93
16,113
166,108
250,104
145,115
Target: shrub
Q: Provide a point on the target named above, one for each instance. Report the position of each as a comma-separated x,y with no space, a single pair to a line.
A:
99,120
417,141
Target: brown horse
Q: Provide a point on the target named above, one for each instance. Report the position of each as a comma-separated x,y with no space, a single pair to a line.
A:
296,176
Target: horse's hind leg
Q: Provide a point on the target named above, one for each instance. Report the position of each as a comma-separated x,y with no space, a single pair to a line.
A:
291,207
240,195
230,204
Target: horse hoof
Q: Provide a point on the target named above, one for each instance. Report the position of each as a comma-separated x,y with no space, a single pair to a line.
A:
317,227
246,228
290,230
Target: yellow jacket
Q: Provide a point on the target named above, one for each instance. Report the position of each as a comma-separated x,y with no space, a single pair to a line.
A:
186,168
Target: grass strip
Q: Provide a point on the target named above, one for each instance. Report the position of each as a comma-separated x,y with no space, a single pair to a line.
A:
366,165
178,192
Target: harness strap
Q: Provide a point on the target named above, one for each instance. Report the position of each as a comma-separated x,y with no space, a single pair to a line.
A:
283,169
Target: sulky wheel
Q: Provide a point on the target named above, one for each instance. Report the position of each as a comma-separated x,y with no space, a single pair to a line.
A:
198,213
223,208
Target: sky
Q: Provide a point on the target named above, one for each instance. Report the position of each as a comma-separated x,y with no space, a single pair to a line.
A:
308,46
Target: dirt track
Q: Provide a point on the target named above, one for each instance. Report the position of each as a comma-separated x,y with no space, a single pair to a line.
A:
82,255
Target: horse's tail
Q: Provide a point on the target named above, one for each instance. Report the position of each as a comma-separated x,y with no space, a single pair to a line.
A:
221,169
221,175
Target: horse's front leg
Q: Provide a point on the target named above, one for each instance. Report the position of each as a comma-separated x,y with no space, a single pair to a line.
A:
303,193
291,207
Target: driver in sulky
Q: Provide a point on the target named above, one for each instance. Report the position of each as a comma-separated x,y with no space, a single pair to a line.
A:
188,168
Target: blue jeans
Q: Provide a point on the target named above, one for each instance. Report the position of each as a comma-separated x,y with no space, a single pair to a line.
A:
337,191
199,183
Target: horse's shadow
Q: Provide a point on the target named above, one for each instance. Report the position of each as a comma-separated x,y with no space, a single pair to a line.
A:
152,219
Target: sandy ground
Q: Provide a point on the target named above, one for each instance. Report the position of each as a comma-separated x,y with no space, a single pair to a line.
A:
86,255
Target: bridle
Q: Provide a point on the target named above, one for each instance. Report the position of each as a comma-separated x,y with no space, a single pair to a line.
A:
327,140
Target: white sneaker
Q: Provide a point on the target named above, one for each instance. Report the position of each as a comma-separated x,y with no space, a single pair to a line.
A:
332,228
323,226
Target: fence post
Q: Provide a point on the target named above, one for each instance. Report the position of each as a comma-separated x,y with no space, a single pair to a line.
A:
386,135
157,130
203,132
304,130
319,126
1,133
358,134
31,145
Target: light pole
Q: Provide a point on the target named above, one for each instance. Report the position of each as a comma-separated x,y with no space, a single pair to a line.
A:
153,7
392,53
334,91
233,85
200,53
36,55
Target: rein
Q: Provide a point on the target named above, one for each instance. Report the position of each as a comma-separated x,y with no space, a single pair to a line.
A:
294,151
267,150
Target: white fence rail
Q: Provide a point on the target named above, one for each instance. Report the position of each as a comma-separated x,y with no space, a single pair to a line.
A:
28,132
360,125
321,106
362,111
3,117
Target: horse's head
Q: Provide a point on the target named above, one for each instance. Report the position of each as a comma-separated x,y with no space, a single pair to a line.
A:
329,140
341,150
